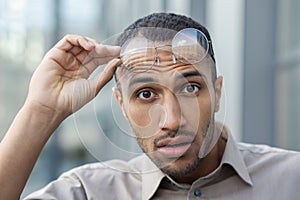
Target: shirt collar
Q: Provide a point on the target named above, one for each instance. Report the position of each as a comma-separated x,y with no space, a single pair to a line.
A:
233,157
152,176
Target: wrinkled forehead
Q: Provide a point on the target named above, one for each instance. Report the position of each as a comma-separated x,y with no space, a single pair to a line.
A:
156,37
165,70
168,76
143,48
139,53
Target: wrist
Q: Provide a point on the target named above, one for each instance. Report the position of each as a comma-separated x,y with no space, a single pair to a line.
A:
42,114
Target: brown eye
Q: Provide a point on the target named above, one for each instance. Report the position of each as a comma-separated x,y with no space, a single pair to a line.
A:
191,89
145,95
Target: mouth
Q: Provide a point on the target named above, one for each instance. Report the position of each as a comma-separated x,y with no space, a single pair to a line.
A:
174,147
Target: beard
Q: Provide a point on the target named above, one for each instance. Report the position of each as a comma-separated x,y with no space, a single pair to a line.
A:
184,170
191,161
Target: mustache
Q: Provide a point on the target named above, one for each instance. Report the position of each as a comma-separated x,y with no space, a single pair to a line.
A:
174,134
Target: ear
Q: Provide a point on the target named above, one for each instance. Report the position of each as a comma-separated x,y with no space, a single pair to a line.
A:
218,92
119,99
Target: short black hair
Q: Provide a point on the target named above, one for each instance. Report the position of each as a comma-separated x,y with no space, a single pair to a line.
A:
170,21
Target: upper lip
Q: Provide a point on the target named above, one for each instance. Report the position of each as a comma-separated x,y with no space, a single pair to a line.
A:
176,141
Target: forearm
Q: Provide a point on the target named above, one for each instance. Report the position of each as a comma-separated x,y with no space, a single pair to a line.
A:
21,147
60,86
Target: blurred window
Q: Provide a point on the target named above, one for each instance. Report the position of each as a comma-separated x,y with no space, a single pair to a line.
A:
288,72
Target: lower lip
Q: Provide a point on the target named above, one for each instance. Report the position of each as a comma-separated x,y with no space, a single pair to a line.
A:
174,152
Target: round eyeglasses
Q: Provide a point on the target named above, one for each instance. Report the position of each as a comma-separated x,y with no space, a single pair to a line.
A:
143,48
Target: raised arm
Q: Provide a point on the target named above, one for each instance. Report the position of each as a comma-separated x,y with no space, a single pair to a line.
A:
60,86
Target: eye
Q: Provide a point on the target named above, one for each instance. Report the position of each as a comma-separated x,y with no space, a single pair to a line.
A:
145,95
191,89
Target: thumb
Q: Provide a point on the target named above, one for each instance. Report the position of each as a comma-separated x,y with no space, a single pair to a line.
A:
105,75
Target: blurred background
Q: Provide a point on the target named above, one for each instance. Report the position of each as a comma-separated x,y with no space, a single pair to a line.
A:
257,46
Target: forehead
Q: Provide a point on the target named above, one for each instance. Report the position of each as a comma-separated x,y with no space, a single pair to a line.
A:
163,55
154,37
166,72
141,55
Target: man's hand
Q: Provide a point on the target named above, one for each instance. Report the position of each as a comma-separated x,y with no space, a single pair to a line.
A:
62,84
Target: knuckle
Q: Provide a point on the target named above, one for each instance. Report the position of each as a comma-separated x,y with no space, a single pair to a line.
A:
69,35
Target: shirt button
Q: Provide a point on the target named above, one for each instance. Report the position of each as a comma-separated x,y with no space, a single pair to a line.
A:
197,192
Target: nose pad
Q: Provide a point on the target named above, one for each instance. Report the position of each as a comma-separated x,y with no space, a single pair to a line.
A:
156,60
174,59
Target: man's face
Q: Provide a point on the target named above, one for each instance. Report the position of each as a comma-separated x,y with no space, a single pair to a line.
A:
171,109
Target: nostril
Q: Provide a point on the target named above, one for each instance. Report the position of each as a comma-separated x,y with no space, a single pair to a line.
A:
172,133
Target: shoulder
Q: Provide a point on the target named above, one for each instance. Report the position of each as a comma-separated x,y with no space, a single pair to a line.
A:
108,170
264,159
110,165
92,181
265,152
263,149
113,166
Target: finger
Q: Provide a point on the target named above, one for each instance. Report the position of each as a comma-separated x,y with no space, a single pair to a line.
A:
84,61
103,55
64,59
93,40
87,69
105,75
69,41
75,50
107,50
101,51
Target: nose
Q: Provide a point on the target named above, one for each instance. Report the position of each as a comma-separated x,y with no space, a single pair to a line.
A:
171,118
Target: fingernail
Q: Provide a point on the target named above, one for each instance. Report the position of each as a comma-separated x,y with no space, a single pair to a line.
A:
117,60
90,43
115,48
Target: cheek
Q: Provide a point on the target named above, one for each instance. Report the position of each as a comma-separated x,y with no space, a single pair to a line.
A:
205,107
144,119
143,143
196,110
138,115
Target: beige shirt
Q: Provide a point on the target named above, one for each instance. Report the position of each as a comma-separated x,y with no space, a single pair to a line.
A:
246,172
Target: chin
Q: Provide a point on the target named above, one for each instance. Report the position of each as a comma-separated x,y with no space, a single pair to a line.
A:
180,167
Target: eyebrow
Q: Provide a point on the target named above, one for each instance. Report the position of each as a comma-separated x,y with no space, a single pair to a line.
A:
151,80
189,74
141,80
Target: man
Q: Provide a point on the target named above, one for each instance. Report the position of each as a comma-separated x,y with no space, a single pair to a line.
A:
168,90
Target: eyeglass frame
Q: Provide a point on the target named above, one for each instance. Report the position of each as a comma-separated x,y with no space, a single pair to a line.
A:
209,50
